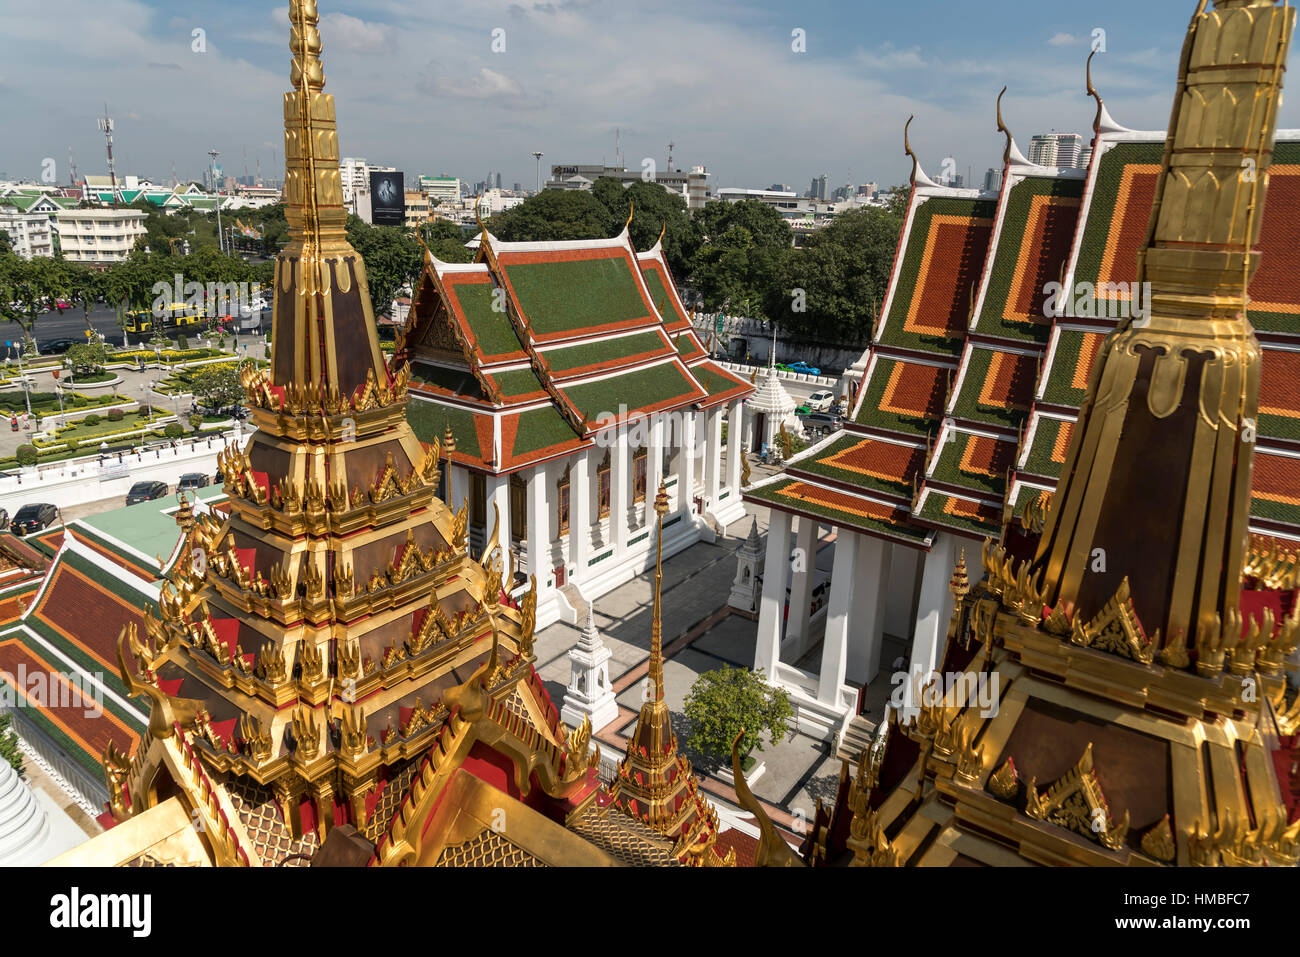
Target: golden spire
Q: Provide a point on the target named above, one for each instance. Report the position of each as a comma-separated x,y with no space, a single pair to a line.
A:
1156,484
1092,92
656,621
1002,128
322,319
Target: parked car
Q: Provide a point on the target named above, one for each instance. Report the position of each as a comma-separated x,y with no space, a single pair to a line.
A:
821,401
34,518
145,492
803,368
825,421
192,480
58,346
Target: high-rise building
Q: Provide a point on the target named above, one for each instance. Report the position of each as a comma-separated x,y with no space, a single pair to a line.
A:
1055,149
993,180
818,188
441,188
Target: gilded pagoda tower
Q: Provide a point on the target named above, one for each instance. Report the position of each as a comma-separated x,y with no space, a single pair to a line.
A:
654,782
1157,488
311,637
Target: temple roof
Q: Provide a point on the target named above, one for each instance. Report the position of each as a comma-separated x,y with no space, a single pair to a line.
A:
525,353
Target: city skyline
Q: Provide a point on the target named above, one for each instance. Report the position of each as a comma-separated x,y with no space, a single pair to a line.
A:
426,93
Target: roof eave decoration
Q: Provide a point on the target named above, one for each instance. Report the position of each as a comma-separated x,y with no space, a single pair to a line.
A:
1104,122
1011,155
918,175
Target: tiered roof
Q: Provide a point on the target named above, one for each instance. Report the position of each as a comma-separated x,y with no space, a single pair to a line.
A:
864,478
527,352
1102,266
965,477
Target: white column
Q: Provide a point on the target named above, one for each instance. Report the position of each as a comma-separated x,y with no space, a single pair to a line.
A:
498,493
712,455
870,596
654,465
835,643
620,491
580,513
686,464
539,527
933,607
801,579
771,607
900,610
735,445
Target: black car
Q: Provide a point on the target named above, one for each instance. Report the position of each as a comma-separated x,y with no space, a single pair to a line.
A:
192,480
58,346
33,518
145,492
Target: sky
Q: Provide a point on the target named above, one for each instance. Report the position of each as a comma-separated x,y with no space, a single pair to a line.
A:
470,86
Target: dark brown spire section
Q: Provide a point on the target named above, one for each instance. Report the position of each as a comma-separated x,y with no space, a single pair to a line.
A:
1156,485
323,324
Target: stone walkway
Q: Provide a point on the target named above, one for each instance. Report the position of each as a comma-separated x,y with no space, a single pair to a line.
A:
700,634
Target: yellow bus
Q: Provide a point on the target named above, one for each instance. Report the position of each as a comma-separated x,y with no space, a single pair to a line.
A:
178,315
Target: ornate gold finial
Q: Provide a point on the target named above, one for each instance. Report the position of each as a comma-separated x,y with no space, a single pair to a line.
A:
479,219
960,584
1005,782
1092,92
631,211
663,230
772,851
1002,128
1159,841
656,622
448,442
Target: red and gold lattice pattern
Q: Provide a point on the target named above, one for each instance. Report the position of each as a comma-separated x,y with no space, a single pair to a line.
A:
915,390
1274,287
882,460
1279,386
949,272
1128,228
1043,246
982,455
1009,383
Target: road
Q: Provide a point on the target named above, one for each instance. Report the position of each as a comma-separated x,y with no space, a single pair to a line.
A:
71,324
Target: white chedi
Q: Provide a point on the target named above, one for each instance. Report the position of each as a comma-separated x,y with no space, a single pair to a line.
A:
590,692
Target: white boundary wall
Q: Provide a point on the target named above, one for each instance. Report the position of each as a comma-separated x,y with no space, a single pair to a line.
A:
94,477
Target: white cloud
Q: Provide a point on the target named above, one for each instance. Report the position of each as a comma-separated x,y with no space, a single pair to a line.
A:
351,33
1063,40
484,85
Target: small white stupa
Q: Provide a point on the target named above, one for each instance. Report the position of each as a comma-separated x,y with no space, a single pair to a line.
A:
26,835
771,406
749,565
590,693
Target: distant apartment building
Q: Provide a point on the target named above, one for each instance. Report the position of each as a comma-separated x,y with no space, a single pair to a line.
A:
417,207
30,234
441,189
818,189
355,172
1085,156
993,180
98,236
1055,149
692,186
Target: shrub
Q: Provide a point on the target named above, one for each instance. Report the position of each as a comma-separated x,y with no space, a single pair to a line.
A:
80,401
173,430
115,415
182,343
71,444
27,455
91,419
196,421
721,703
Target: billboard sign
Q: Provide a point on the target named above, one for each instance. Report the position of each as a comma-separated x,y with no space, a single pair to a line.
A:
387,198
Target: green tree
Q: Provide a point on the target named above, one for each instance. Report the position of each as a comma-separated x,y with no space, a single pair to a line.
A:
446,241
833,287
9,750
723,702
555,214
654,210
217,386
392,256
741,256
85,287
87,359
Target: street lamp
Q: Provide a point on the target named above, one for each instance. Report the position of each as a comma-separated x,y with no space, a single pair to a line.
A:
537,155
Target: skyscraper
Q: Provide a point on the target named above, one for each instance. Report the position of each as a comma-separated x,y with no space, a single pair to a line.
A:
818,189
1055,149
